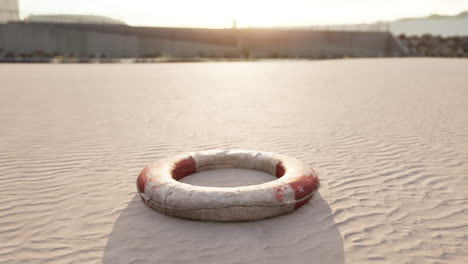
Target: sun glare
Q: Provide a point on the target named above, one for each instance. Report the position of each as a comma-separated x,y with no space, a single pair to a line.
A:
263,13
216,14
247,13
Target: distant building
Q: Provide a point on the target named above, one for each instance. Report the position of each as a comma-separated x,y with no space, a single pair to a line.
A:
89,36
443,25
9,11
73,19
28,39
452,26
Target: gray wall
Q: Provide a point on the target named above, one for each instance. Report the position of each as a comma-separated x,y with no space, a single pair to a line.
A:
124,41
318,44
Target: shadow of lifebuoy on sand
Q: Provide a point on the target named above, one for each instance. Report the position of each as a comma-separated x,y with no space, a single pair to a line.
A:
308,235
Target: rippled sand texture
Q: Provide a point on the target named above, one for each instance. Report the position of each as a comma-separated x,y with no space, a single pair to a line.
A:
388,137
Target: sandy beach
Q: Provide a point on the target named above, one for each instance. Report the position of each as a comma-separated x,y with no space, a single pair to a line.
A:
388,138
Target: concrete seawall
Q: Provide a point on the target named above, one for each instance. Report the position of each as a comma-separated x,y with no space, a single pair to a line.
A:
121,41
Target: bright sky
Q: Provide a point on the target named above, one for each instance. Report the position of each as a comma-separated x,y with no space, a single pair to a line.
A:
220,13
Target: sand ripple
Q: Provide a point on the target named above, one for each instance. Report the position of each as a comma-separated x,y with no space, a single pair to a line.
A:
388,137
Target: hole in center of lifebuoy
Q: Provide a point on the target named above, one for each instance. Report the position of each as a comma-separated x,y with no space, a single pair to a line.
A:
227,178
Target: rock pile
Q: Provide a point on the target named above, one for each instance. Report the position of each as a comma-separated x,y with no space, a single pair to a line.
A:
435,46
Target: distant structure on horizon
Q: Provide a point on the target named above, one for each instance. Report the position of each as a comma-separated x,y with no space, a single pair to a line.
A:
73,19
81,40
436,25
444,26
90,36
9,11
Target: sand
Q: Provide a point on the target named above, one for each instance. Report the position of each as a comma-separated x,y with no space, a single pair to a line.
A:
388,138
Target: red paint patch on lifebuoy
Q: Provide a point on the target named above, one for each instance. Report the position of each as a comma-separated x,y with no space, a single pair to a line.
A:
280,170
304,186
142,179
279,193
183,168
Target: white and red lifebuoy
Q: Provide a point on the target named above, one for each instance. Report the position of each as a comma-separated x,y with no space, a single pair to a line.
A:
159,187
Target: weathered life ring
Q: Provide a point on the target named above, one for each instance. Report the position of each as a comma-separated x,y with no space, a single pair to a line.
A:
160,189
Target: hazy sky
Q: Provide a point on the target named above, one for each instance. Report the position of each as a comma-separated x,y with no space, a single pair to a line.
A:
220,13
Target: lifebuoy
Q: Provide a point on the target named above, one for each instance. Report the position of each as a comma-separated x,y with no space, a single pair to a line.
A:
160,189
